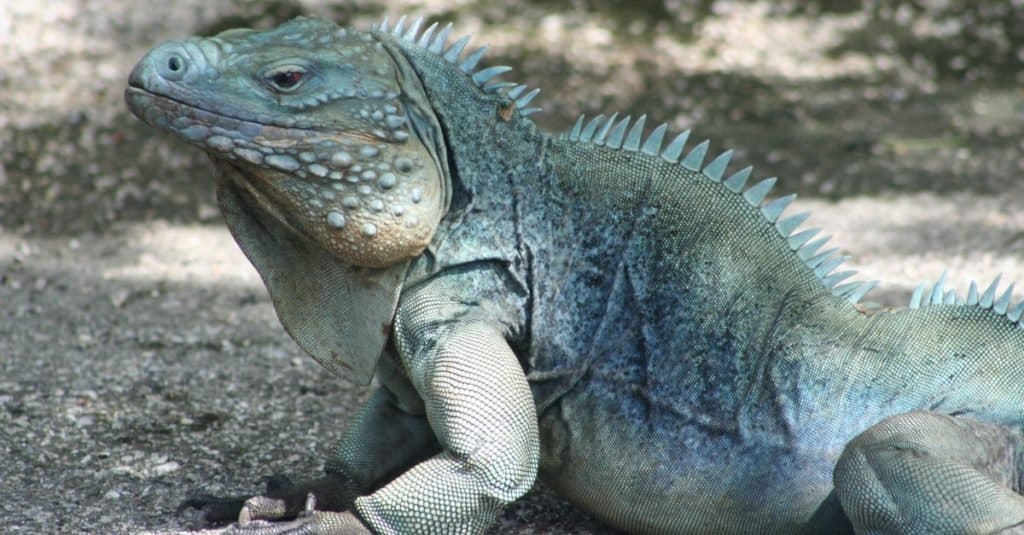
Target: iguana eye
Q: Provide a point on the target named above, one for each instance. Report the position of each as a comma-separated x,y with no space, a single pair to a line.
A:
285,79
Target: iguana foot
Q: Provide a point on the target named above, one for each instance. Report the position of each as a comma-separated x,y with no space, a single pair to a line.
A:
258,513
282,499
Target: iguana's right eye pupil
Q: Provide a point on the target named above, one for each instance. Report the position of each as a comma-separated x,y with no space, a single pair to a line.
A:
286,79
174,63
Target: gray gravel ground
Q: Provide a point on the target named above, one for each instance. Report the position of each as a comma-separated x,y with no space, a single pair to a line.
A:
140,359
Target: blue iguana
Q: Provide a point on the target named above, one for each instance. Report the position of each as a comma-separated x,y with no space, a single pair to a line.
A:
604,309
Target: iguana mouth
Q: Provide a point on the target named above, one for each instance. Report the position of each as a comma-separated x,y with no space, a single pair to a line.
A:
230,136
169,113
198,124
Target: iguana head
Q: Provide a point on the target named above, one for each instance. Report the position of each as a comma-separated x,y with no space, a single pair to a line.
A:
332,164
329,129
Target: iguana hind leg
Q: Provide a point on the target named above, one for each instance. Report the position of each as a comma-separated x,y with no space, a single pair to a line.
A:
924,472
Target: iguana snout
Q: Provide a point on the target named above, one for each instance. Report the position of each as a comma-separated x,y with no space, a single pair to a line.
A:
317,122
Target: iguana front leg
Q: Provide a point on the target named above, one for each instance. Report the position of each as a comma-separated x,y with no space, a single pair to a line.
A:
381,441
480,407
923,472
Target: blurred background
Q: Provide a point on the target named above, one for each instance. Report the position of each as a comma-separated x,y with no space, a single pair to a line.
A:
139,358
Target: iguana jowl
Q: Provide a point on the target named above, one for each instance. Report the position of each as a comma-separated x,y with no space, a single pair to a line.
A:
602,307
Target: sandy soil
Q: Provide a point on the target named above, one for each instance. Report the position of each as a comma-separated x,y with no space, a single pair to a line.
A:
140,359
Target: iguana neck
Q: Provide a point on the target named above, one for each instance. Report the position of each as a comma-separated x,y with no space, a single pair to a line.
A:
477,125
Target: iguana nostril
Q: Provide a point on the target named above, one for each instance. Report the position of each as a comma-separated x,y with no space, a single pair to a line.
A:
171,63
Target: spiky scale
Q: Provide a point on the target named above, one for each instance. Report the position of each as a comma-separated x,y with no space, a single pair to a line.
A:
787,225
525,112
574,134
695,159
738,180
516,91
635,135
654,141
675,148
383,26
756,194
483,75
521,102
950,298
772,210
452,54
972,294
399,26
1003,303
428,34
1015,313
862,290
915,299
588,131
414,30
816,260
835,278
845,289
826,267
472,59
603,132
614,140
935,297
990,293
716,168
796,241
498,86
437,45
808,251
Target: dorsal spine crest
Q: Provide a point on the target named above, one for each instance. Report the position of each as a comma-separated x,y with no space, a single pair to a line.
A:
627,135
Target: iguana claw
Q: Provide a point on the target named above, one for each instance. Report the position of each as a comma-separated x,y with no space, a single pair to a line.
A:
258,512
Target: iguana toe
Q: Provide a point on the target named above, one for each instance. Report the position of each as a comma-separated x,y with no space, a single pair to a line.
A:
282,499
262,508
253,520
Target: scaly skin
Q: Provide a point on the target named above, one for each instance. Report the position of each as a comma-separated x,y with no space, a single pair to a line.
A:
600,308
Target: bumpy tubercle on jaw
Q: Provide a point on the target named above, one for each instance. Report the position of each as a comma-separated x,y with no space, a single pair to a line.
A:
365,202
